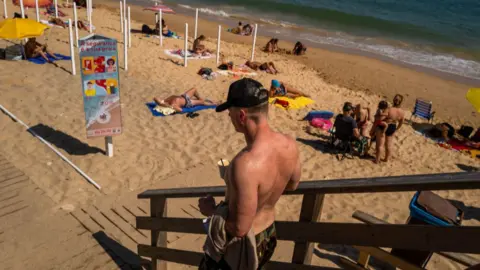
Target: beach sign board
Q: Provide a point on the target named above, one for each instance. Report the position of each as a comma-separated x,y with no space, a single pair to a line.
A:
100,85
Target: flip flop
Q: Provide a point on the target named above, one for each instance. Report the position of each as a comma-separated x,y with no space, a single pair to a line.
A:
192,115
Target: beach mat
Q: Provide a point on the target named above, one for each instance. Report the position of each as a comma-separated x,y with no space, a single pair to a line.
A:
151,106
39,60
293,103
190,56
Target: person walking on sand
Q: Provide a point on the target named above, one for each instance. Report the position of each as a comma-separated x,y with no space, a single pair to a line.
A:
257,176
386,126
188,99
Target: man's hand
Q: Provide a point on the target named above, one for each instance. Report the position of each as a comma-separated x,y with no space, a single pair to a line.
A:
207,205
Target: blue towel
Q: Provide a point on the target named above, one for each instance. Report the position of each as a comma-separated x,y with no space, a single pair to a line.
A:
151,106
39,60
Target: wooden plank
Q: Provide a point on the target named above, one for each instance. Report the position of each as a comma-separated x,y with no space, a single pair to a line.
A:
310,212
158,208
193,258
389,258
416,237
457,257
363,259
446,181
348,264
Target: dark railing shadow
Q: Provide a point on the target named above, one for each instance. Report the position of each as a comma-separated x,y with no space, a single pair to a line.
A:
122,256
349,252
469,212
60,139
320,145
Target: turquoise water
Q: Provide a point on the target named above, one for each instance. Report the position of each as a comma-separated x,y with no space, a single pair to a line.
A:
440,34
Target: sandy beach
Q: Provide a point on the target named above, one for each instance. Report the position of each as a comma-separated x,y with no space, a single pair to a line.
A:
152,150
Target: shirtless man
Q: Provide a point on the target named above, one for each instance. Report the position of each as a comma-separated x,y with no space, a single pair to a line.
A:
386,126
259,174
362,117
268,67
186,100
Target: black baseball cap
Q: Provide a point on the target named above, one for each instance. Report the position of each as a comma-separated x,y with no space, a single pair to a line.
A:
244,93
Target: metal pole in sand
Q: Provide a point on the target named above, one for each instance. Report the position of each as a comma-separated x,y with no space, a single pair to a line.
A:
90,25
121,16
129,29
124,10
125,45
37,12
254,41
186,46
218,43
22,9
196,23
50,146
72,52
5,13
75,22
109,146
160,31
56,8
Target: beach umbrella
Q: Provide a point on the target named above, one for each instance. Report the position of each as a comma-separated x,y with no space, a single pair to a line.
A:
157,9
21,28
473,96
31,3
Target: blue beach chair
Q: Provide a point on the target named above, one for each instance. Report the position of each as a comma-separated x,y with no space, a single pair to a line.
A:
423,109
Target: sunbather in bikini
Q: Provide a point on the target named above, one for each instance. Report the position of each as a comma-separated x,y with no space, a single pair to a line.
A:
280,89
268,67
189,99
199,47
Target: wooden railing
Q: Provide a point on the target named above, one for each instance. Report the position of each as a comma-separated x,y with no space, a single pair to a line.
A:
308,230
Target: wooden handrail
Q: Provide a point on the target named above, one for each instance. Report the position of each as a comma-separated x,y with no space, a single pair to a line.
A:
445,181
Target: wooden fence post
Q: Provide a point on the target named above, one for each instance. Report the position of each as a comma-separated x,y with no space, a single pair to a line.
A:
158,208
311,212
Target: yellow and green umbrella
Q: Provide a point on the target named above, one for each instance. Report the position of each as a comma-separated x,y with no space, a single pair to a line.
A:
21,28
473,96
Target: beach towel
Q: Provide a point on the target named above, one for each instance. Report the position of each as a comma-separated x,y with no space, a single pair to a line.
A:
151,106
179,53
293,103
238,73
39,60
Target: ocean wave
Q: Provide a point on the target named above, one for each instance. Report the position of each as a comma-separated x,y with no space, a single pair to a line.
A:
214,12
280,23
185,6
440,62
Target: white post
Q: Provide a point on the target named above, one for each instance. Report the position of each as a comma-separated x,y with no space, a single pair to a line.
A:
37,12
125,45
56,8
186,46
90,25
21,8
121,16
218,43
5,14
124,9
109,146
72,52
129,29
75,22
161,28
254,41
196,23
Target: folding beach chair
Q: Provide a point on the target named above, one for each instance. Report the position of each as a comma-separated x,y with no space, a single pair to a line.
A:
345,144
423,109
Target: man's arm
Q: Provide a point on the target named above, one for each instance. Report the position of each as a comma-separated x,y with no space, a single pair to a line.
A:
293,183
177,108
356,133
243,197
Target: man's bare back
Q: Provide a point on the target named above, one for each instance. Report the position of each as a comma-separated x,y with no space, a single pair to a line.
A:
274,165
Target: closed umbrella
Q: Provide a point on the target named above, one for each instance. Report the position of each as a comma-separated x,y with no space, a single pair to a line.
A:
21,28
473,96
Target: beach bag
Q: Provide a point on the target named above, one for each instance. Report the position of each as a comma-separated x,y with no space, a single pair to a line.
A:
205,71
14,52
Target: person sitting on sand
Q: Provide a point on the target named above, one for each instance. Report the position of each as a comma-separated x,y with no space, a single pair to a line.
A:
199,47
247,30
362,117
237,30
299,49
272,46
34,49
280,89
397,101
268,67
189,99
165,31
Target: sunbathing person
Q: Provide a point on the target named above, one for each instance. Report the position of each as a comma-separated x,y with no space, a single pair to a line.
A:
268,67
443,131
188,99
199,47
280,89
59,22
272,46
362,117
34,49
299,48
237,30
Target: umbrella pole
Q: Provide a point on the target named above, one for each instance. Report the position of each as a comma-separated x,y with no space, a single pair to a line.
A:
125,46
22,9
129,29
196,24
56,9
254,41
90,17
5,9
160,28
186,46
121,16
72,51
75,17
218,43
36,11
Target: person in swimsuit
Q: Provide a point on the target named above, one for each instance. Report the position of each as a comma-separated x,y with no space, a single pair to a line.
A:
199,47
268,67
34,49
385,127
189,99
272,46
280,89
258,175
299,49
362,117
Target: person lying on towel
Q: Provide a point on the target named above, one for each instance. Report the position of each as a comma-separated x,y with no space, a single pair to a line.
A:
34,49
189,99
268,67
280,89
